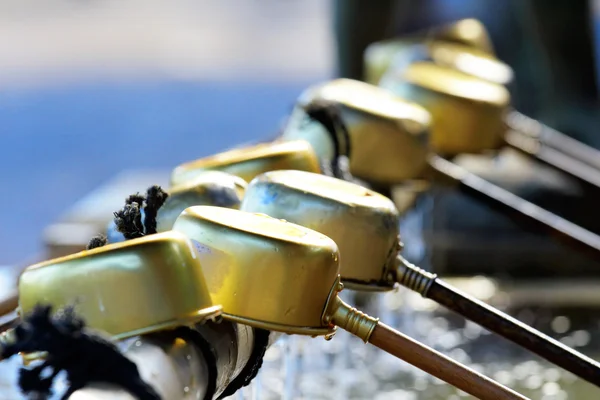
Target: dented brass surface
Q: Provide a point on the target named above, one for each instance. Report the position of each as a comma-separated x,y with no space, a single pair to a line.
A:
467,112
125,289
388,135
467,32
266,272
213,188
248,162
363,223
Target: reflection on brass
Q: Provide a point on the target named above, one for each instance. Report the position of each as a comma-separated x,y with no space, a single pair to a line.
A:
250,161
8,337
467,32
272,274
363,223
388,135
467,112
125,289
379,56
214,188
465,59
265,272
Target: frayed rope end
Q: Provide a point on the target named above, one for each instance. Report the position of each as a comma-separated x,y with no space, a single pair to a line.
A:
84,357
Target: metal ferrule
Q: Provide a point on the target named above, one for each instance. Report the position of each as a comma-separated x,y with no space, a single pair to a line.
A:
352,320
413,277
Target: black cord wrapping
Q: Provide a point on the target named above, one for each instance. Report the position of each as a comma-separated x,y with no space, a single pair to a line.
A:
328,114
129,221
155,198
86,358
259,348
97,241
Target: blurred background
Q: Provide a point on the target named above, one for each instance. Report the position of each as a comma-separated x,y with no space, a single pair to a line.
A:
90,90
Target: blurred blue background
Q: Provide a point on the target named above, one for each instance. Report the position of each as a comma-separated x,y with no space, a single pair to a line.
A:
89,89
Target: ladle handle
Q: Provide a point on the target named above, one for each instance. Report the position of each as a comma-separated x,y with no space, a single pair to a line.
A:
551,138
440,366
555,158
516,207
431,287
516,331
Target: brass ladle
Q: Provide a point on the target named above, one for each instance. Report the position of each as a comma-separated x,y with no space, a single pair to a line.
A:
276,275
125,289
248,162
465,46
430,75
214,188
364,224
379,56
468,119
153,284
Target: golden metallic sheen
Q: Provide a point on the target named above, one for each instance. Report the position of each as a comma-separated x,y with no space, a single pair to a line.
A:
379,56
467,112
466,59
388,135
363,223
125,289
469,32
214,188
266,272
249,162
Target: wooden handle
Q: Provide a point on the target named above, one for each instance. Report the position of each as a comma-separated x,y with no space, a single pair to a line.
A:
440,366
516,331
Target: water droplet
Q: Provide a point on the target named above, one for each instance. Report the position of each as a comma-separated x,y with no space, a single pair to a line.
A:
420,384
581,338
504,377
561,324
533,382
552,375
186,389
138,343
550,388
472,330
